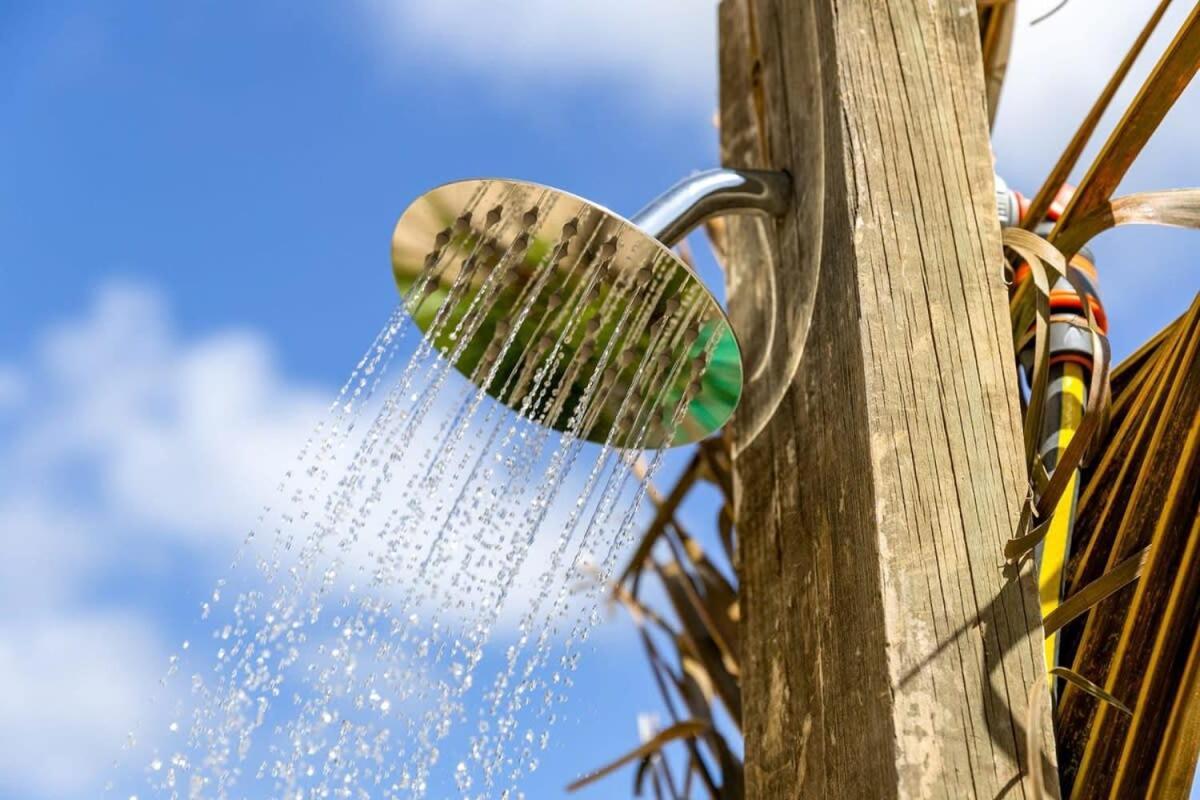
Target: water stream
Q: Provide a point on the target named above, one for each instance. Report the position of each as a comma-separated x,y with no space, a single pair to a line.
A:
406,615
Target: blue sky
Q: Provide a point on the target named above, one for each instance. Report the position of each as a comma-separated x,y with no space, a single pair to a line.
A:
194,252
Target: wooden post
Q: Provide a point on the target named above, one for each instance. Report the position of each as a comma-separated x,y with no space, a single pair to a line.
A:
885,653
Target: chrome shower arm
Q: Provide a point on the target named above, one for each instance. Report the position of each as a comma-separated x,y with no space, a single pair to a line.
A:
715,192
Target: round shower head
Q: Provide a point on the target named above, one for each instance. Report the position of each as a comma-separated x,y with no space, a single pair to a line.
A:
567,313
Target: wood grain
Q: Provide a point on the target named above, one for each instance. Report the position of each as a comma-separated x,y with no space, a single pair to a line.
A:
884,654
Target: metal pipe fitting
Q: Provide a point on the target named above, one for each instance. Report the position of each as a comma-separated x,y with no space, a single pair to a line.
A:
715,192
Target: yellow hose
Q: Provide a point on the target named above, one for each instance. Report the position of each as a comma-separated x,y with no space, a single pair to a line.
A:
1057,545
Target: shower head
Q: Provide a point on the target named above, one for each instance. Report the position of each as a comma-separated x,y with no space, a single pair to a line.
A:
574,316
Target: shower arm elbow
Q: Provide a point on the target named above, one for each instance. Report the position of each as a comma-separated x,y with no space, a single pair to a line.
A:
716,192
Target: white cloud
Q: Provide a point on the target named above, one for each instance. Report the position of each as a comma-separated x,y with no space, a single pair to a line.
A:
73,690
661,53
136,436
48,552
183,438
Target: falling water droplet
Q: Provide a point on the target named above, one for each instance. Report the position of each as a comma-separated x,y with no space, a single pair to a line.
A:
365,649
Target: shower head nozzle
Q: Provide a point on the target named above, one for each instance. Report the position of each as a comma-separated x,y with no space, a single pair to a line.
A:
574,316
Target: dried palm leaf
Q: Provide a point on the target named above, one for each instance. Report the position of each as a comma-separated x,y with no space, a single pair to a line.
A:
1070,156
681,730
1112,581
1177,208
1158,94
664,514
1142,497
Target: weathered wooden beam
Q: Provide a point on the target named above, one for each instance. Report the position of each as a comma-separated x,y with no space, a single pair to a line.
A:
885,653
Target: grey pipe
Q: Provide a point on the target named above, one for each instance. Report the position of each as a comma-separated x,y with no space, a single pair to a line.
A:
715,192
